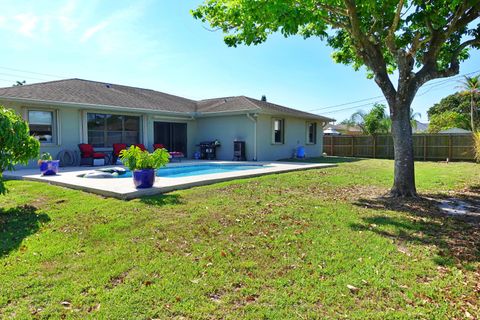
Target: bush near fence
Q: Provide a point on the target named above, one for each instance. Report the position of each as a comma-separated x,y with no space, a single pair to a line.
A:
455,147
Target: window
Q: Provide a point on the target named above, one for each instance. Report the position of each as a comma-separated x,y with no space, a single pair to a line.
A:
106,129
278,131
311,132
41,125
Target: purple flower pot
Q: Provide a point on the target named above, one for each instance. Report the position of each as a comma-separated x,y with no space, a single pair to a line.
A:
49,168
144,178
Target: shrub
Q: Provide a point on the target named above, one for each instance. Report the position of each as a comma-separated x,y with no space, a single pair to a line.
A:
476,145
135,159
16,144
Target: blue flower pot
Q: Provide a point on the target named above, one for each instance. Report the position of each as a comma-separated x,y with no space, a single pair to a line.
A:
144,178
49,168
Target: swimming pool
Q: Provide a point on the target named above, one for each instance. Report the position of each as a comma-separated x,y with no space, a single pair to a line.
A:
193,170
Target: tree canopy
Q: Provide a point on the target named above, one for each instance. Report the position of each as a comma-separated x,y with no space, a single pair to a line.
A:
16,144
447,120
387,35
421,40
455,102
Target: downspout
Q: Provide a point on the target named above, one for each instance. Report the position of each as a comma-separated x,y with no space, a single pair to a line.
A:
253,118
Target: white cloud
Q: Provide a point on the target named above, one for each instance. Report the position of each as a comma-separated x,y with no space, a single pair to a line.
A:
65,16
90,32
28,23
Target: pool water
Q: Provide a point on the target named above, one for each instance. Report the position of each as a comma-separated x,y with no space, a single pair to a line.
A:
197,170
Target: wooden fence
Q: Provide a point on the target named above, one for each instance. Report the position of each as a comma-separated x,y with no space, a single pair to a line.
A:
457,147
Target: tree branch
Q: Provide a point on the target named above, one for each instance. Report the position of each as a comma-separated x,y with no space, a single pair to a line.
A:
390,40
334,9
370,53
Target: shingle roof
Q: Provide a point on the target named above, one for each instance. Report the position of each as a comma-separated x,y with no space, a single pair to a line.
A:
242,103
99,93
105,94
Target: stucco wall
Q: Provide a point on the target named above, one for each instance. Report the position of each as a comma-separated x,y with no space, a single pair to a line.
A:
295,135
68,124
226,129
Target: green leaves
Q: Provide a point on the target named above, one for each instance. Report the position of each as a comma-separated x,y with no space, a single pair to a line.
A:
447,120
136,159
16,144
416,27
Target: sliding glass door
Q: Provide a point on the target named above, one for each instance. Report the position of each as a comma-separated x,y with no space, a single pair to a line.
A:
172,135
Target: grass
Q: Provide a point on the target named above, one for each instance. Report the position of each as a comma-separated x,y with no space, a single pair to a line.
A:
278,246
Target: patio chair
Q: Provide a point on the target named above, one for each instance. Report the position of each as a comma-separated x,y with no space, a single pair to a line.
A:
141,146
117,148
88,154
174,155
158,146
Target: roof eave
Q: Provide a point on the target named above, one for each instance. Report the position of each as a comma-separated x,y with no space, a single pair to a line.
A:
95,106
300,115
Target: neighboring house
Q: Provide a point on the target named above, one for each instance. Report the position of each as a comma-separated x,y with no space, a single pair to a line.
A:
455,131
64,113
343,129
331,132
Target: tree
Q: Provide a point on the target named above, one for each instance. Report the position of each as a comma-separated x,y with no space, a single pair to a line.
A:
16,144
447,120
457,102
377,114
421,40
413,118
471,87
374,122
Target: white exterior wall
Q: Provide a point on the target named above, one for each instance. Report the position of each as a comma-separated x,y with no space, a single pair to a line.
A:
295,135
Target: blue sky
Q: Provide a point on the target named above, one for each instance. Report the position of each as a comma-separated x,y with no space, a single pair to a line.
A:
158,45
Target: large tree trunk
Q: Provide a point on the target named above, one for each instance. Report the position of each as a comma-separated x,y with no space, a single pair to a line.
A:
404,175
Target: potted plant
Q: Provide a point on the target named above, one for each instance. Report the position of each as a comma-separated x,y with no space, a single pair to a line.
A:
48,166
143,164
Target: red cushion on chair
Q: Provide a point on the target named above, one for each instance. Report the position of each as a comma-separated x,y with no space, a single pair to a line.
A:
97,155
86,150
118,147
140,146
158,146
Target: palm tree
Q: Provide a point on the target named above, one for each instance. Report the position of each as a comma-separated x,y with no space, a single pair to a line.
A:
471,86
413,118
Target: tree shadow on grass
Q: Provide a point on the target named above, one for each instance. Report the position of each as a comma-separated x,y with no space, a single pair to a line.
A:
162,200
16,224
457,237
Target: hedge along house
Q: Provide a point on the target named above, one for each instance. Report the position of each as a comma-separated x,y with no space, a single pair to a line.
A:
64,113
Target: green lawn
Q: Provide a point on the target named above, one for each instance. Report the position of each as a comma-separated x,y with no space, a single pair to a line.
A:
275,247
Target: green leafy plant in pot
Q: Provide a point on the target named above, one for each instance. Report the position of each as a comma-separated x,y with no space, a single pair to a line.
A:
48,166
143,164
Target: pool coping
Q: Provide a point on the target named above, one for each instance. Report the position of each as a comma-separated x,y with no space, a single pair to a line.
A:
124,188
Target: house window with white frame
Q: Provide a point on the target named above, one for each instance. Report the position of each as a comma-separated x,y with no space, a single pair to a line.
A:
278,131
42,125
106,129
311,132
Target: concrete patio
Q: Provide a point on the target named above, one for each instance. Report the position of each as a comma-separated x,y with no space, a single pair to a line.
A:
123,188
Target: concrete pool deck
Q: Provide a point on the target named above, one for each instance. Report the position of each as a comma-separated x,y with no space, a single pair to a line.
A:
124,188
